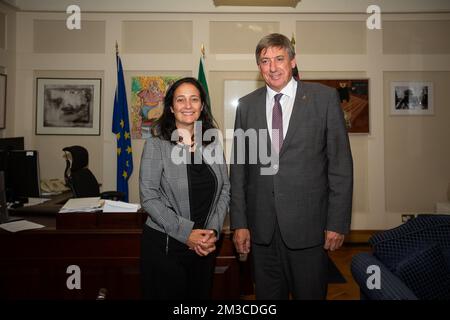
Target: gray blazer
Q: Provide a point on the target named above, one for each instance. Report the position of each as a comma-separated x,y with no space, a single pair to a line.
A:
312,190
164,190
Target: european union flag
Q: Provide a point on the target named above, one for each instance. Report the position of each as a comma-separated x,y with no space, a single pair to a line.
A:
121,128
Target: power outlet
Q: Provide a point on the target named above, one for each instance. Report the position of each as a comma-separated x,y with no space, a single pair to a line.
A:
407,217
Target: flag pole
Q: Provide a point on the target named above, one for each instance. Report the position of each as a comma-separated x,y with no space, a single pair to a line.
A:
295,73
121,128
117,63
201,73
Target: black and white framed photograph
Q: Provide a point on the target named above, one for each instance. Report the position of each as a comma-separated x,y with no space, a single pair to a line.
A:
68,106
412,98
3,101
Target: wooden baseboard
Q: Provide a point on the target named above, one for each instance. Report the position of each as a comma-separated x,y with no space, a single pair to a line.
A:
359,236
354,237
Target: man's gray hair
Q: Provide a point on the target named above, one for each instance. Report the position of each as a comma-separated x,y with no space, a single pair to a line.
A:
274,40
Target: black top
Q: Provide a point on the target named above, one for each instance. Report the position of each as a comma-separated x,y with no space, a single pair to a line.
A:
202,188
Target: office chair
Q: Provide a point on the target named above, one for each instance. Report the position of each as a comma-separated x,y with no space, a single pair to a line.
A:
80,179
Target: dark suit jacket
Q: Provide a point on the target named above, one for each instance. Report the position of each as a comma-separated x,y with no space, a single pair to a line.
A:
312,190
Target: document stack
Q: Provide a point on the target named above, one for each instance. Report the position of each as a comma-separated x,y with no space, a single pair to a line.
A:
20,225
119,206
82,205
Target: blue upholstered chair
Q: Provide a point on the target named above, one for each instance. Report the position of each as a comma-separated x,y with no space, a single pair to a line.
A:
413,260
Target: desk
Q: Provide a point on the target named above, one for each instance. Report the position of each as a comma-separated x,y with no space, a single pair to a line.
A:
48,208
34,263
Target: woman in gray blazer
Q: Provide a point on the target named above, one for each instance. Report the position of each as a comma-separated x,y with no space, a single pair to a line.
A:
186,196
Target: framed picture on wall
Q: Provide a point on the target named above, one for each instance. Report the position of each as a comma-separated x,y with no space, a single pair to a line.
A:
68,106
354,101
411,98
2,101
353,96
146,102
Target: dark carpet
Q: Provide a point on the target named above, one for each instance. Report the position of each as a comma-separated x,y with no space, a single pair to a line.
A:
334,275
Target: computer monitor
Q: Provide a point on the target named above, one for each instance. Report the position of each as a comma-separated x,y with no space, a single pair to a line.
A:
3,204
6,145
4,214
15,143
3,160
23,179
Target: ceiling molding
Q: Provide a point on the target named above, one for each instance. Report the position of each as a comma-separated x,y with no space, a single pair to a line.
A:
257,3
218,6
10,3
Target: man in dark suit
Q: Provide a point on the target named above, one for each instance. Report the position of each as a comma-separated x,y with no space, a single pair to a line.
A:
290,218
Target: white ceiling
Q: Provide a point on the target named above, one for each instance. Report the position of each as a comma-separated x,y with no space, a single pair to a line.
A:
320,6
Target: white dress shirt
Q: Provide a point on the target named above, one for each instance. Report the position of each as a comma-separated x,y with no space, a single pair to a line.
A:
287,104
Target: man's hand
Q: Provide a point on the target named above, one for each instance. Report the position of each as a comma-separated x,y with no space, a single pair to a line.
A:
203,242
333,240
241,239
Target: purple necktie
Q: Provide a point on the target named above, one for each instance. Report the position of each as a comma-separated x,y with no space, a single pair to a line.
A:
277,123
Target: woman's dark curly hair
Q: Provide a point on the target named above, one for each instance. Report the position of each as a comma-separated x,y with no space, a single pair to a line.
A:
165,125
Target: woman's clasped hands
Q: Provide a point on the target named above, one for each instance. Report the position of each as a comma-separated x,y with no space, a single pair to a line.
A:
202,241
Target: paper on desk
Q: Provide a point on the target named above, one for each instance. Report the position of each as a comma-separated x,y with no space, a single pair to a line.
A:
35,201
20,225
120,206
82,205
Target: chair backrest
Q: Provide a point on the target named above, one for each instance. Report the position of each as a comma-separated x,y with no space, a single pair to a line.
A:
392,246
80,179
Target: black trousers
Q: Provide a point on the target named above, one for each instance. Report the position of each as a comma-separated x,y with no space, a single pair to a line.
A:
175,274
280,271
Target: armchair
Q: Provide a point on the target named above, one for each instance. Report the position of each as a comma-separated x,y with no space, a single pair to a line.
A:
80,179
413,261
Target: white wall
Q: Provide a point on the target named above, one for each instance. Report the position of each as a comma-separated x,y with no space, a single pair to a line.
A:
308,6
8,63
366,58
